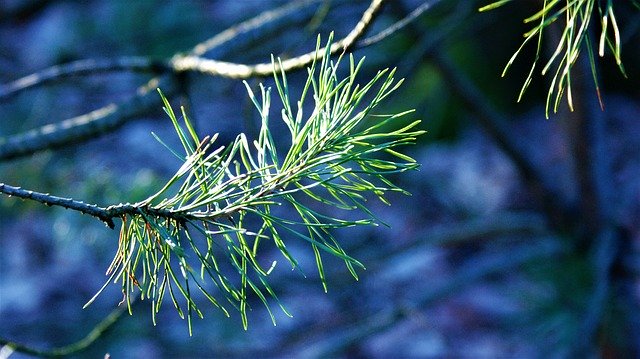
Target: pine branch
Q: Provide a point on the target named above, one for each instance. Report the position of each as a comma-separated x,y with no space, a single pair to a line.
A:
574,39
68,203
335,157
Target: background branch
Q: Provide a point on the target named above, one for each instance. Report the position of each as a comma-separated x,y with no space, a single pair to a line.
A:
87,126
243,71
143,64
9,347
111,117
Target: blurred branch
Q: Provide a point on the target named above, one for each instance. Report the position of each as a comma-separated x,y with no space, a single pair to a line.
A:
87,126
113,116
490,227
9,347
143,64
398,25
468,274
243,71
495,124
81,68
249,25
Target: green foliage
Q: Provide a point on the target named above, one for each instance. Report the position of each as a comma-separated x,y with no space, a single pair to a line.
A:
193,234
574,38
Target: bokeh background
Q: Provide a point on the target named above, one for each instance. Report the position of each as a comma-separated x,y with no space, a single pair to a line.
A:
473,263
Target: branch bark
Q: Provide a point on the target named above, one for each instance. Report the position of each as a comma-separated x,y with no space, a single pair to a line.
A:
105,214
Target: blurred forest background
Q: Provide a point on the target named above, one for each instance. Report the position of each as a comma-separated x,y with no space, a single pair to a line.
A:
507,247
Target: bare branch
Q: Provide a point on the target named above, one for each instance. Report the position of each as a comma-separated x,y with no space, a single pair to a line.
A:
143,64
242,71
399,25
80,68
74,348
113,116
249,25
87,126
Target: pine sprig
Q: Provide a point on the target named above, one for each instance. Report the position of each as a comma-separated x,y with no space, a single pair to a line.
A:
204,229
573,40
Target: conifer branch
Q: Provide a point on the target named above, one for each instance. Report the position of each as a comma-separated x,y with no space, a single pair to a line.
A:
574,39
336,155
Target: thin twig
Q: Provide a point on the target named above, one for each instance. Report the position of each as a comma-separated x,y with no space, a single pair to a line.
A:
80,68
398,25
74,348
243,71
249,25
143,64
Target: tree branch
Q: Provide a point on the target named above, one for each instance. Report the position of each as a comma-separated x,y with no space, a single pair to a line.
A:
398,25
68,203
80,68
105,214
113,116
74,348
87,126
243,71
143,64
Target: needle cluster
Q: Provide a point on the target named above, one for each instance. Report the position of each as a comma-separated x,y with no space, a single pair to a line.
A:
204,230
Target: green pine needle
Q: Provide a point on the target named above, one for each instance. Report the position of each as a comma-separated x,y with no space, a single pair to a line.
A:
218,210
574,38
